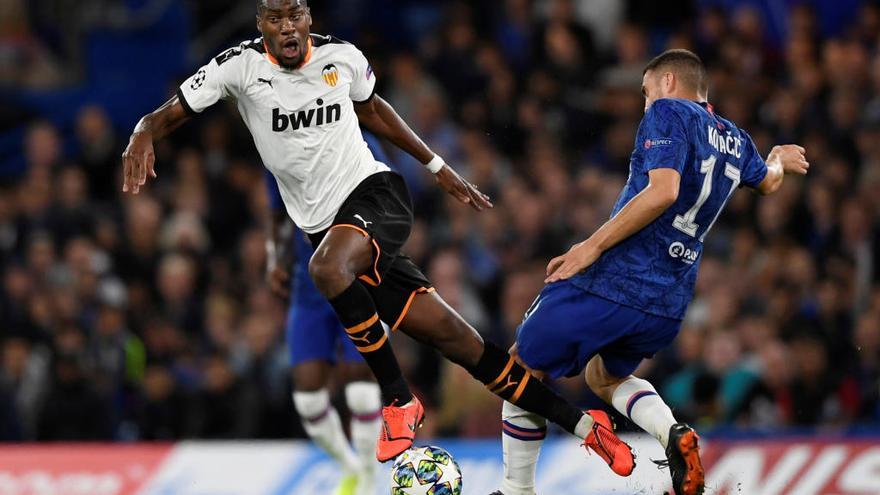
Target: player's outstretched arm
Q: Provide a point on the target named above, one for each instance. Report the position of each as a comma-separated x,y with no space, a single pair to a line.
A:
642,209
380,118
138,159
784,159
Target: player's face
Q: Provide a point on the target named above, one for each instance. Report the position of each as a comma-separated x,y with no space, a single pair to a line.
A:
652,88
285,27
656,86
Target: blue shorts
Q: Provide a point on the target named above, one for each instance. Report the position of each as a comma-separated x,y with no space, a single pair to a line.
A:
313,329
566,326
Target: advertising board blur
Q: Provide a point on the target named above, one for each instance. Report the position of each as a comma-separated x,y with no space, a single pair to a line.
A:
766,467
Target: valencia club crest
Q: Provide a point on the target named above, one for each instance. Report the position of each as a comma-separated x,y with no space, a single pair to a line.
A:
330,74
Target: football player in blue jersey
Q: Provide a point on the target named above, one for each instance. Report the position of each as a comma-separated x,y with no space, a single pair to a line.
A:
620,296
317,344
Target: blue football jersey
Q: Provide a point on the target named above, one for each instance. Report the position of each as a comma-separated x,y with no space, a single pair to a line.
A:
655,269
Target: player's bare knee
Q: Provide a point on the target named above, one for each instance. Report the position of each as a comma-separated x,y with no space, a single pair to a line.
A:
355,372
305,379
331,277
600,381
591,380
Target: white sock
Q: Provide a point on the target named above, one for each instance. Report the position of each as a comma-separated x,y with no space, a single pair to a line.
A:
637,400
321,422
364,400
584,427
522,436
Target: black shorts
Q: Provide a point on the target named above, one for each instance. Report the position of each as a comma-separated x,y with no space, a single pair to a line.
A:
380,208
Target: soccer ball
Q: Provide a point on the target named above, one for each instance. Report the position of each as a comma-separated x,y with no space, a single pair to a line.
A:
425,471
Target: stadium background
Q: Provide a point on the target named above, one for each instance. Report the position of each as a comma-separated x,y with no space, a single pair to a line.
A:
126,319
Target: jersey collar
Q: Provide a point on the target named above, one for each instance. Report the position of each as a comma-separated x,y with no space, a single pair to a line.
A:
274,60
708,106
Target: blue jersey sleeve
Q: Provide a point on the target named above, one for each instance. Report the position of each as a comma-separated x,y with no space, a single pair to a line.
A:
275,202
754,169
664,137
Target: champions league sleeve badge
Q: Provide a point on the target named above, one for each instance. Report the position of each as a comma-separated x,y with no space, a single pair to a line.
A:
198,80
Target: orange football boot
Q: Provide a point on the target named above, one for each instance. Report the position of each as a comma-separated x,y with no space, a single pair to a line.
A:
608,445
399,424
683,459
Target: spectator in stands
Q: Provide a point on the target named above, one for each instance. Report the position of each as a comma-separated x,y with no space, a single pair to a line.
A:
74,409
224,407
867,373
163,411
98,152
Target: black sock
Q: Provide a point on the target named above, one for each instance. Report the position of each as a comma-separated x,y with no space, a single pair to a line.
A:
504,377
357,312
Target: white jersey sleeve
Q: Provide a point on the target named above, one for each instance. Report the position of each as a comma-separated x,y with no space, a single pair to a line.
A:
363,81
221,78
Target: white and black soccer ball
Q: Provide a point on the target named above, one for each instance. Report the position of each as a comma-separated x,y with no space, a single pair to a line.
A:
425,471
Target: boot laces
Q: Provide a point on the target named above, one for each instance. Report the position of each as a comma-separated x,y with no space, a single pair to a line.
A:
605,440
388,413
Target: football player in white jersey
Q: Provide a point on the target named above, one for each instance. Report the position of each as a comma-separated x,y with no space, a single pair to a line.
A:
303,96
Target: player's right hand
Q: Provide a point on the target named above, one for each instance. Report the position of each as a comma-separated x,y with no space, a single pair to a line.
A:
792,157
580,257
279,281
137,162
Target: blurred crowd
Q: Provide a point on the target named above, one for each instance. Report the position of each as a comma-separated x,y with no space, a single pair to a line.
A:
148,317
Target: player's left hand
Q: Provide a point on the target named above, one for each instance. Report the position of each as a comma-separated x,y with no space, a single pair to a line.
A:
793,158
138,161
463,190
279,281
577,259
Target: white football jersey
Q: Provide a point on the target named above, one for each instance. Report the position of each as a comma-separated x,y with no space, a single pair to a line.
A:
302,121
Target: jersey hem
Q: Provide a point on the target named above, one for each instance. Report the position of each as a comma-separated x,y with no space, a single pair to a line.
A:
359,102
758,183
663,165
329,222
628,305
185,104
320,228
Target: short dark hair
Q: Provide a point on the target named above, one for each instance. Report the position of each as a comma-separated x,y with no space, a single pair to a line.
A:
261,4
686,65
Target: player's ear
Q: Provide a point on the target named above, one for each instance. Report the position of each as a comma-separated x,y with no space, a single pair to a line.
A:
309,15
259,25
669,82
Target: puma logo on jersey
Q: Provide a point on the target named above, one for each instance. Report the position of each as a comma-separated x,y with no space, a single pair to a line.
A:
265,81
366,223
306,118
